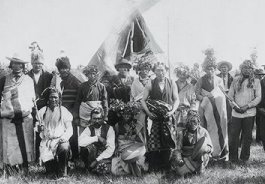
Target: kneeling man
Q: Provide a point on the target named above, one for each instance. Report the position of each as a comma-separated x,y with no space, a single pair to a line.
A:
97,143
56,130
194,147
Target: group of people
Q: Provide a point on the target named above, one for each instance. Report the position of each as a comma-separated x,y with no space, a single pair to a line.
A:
127,125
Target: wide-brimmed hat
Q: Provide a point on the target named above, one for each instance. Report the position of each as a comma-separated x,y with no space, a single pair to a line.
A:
221,63
123,62
16,59
133,152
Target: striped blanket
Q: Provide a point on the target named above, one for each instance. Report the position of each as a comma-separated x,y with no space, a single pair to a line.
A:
214,118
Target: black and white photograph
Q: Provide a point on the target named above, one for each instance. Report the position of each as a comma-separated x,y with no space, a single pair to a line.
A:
132,91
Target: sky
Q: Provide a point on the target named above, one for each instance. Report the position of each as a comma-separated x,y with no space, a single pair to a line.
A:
182,28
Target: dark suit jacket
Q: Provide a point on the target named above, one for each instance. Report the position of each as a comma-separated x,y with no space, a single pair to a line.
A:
230,79
43,83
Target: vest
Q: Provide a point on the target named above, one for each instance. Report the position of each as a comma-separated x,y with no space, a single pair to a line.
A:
103,134
206,85
166,95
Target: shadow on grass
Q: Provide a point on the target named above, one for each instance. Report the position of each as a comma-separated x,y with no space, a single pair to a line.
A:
241,180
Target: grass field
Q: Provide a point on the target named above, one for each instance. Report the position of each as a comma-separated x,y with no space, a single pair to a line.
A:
215,174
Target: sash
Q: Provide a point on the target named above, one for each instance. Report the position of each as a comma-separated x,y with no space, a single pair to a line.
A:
85,111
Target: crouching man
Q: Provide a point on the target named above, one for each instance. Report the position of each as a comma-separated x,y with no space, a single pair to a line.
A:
56,130
193,149
97,144
129,155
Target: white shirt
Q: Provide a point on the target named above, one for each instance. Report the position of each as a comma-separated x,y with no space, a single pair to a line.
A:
36,77
86,139
246,96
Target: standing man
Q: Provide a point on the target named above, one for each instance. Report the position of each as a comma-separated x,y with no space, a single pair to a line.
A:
224,67
246,93
160,89
212,106
42,80
91,94
17,93
69,87
121,83
120,87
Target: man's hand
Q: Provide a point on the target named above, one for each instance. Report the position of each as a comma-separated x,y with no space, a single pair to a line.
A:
244,108
93,164
238,110
102,140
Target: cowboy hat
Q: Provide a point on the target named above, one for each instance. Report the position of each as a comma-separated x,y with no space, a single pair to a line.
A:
221,63
16,59
123,62
133,152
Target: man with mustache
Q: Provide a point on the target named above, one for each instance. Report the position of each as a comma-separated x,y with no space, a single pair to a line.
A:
97,142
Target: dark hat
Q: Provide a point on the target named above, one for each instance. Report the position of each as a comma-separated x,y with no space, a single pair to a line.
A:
15,59
123,63
63,62
221,63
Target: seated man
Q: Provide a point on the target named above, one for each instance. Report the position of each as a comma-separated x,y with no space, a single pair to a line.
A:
97,143
129,154
56,130
194,147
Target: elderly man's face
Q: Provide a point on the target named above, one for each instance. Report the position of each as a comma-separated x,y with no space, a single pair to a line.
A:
53,100
17,67
37,67
64,72
224,69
